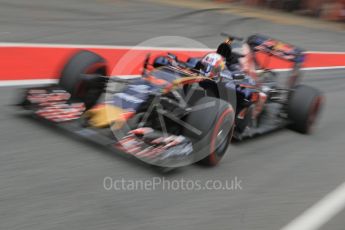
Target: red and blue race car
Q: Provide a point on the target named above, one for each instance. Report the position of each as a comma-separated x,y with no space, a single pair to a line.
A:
175,114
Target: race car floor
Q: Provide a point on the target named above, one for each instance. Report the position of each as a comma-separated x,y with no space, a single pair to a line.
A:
49,180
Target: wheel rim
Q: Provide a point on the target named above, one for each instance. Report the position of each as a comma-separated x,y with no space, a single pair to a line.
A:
220,138
96,68
314,111
221,143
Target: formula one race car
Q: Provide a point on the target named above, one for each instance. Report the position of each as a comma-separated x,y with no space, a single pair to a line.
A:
262,103
175,114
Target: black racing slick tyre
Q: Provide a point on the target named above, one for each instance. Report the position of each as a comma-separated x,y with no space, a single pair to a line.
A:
214,119
83,62
304,106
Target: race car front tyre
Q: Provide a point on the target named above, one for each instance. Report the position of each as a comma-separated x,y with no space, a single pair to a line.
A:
214,119
83,62
304,106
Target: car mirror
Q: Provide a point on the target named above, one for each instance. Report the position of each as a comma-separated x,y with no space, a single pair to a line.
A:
172,56
238,76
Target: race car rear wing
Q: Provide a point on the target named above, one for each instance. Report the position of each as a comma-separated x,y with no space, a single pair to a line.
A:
281,50
276,48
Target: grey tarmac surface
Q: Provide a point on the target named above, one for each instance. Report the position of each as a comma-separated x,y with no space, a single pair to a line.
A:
50,181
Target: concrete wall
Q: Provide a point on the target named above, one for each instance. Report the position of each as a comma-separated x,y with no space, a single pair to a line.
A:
328,9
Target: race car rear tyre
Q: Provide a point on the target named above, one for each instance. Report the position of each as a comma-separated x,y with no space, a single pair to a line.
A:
83,62
304,106
214,118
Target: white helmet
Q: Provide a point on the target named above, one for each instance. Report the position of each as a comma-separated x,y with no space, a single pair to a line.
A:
212,64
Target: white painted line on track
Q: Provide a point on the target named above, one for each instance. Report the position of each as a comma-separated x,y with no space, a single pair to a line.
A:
320,213
325,52
312,68
43,45
4,83
27,82
324,68
46,45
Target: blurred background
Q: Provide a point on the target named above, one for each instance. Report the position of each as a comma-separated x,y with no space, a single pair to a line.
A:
327,9
49,180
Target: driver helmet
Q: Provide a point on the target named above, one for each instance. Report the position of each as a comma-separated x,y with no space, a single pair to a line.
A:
212,65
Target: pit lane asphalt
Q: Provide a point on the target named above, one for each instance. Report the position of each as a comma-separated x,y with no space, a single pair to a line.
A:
50,181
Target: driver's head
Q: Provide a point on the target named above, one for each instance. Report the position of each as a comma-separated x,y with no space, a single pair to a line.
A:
212,64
